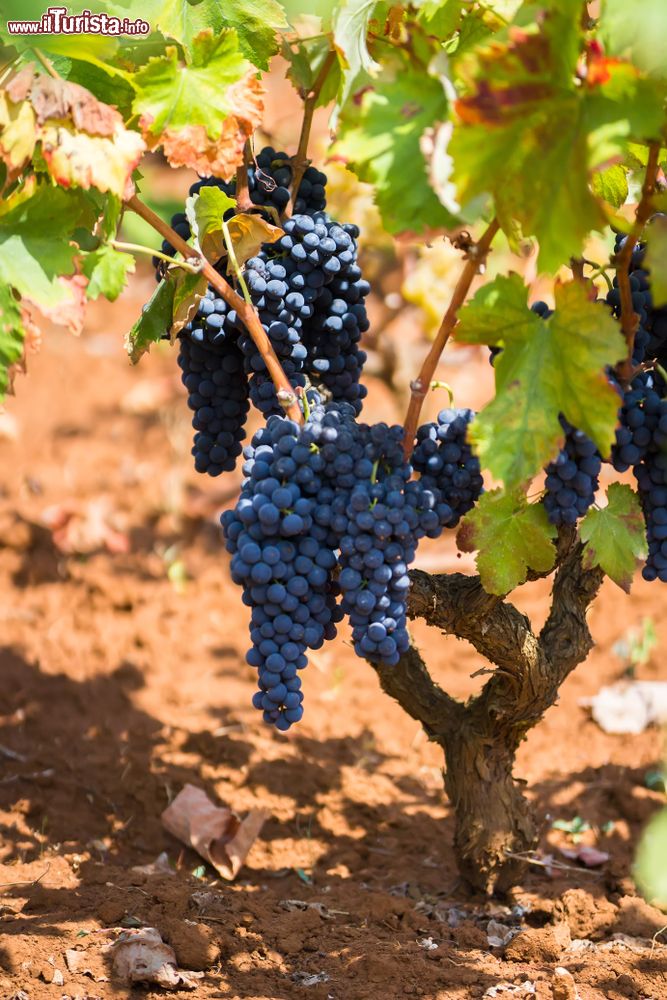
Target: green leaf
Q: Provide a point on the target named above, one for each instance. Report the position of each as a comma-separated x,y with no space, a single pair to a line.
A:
108,83
615,535
256,21
656,259
172,95
440,18
350,27
650,869
529,136
11,336
204,212
511,536
611,185
306,59
380,143
547,367
107,270
154,322
35,246
636,34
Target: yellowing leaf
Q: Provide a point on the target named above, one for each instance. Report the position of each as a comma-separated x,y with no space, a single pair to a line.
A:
248,232
81,160
656,259
546,367
205,212
511,536
615,536
17,133
202,111
189,289
11,336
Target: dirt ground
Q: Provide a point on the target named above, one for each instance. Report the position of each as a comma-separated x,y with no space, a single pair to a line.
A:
123,678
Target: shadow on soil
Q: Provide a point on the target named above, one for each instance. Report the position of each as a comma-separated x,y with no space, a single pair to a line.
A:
88,774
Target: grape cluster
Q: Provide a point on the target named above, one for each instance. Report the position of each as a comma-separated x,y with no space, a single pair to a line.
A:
282,561
638,418
572,478
447,464
212,372
651,333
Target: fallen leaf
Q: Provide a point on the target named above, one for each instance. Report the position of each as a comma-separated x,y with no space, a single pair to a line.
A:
141,956
629,706
215,832
524,989
79,964
499,934
85,527
589,856
301,904
160,866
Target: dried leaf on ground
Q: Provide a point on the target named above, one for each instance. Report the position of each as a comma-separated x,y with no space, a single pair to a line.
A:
588,856
82,963
85,527
160,866
320,908
141,956
216,833
629,706
499,934
525,989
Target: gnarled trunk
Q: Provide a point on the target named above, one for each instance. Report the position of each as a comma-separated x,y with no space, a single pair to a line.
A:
492,815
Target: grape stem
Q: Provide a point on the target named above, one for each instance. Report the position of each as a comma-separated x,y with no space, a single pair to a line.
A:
629,319
475,257
300,160
245,312
235,264
138,248
243,202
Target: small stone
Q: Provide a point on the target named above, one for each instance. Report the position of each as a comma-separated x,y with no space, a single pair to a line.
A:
564,986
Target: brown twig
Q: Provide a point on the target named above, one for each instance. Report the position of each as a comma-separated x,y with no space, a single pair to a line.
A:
246,312
629,319
243,202
475,257
300,160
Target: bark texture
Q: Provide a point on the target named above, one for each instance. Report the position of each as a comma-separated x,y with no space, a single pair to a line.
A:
480,738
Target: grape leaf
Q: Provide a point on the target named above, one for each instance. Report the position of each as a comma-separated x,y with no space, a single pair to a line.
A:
204,212
306,60
650,867
638,38
107,270
380,142
510,536
172,95
154,322
611,185
440,18
615,535
656,259
546,367
11,336
17,132
35,247
248,232
202,112
189,289
350,26
81,160
529,135
256,22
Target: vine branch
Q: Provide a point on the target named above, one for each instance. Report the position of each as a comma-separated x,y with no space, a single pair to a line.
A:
300,160
629,319
245,311
475,257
